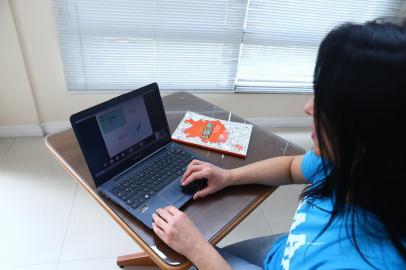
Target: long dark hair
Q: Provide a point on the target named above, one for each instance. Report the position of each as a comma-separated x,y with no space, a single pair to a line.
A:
360,113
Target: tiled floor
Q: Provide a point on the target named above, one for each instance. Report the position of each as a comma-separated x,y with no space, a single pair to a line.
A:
49,222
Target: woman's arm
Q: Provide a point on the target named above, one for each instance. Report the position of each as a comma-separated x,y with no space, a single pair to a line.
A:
276,171
208,258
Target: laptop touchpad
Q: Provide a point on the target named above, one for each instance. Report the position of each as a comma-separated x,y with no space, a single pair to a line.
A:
173,192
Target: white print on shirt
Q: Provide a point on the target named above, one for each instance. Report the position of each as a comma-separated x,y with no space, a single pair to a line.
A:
299,217
294,241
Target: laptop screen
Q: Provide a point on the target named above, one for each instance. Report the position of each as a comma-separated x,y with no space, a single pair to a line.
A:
117,133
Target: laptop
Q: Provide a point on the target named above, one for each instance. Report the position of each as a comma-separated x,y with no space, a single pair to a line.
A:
127,146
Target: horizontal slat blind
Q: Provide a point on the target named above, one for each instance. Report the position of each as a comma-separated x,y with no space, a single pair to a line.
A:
121,45
281,39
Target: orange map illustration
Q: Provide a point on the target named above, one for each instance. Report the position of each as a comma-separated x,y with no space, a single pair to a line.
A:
207,130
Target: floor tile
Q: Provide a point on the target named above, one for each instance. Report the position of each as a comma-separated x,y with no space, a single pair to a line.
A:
98,264
280,225
93,233
28,163
253,226
33,224
282,204
47,266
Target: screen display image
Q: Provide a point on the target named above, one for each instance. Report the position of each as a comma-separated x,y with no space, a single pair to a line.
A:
125,125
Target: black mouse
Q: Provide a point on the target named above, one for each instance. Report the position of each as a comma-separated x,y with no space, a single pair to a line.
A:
195,186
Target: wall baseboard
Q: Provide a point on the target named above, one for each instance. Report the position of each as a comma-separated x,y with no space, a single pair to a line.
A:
282,122
53,127
21,131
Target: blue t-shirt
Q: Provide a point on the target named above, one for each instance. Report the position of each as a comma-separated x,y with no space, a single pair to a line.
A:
333,249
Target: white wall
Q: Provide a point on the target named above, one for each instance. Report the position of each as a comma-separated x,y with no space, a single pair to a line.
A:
35,26
16,101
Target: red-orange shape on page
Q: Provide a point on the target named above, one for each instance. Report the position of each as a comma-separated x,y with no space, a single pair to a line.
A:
217,132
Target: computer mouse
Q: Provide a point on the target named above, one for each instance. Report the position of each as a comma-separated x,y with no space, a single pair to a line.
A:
195,186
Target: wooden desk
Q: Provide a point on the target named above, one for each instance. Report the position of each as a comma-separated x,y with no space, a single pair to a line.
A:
215,216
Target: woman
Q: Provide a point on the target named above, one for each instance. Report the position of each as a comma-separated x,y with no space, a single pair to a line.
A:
353,213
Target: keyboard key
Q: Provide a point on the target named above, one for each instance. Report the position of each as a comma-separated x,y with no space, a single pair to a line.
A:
135,205
130,201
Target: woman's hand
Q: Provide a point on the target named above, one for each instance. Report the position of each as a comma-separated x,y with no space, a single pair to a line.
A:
217,178
176,229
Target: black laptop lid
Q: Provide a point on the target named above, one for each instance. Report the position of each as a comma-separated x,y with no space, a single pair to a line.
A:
117,133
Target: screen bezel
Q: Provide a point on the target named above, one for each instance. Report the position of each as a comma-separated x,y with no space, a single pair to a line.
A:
109,174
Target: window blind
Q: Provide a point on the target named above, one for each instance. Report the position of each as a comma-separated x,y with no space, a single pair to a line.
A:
122,45
220,45
281,39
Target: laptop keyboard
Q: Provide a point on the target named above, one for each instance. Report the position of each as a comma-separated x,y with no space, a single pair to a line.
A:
139,187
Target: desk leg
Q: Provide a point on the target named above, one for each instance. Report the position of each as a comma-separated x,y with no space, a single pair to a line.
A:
136,259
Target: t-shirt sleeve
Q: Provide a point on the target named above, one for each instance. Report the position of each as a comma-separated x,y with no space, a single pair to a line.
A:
312,167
